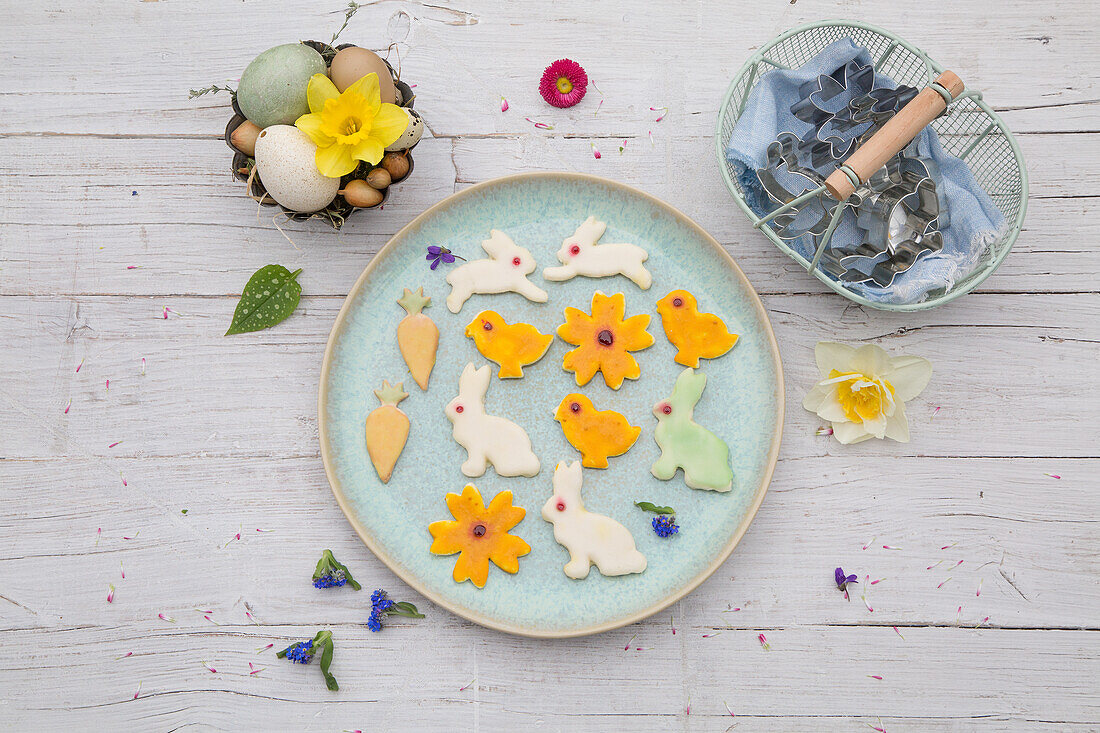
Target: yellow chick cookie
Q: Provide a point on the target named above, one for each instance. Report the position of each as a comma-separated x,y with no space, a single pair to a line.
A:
597,434
511,346
695,335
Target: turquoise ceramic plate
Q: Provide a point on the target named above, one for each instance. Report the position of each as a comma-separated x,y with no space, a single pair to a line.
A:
742,404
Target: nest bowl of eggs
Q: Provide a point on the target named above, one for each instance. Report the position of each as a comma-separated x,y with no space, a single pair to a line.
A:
322,131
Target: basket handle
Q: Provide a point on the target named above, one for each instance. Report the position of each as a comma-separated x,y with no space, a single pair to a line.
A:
898,132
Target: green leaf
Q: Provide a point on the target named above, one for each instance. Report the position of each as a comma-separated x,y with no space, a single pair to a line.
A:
326,660
329,562
403,608
651,507
271,295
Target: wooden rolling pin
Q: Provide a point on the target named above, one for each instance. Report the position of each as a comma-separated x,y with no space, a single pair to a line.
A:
898,132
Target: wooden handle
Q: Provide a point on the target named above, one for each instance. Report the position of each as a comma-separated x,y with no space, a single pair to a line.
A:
898,132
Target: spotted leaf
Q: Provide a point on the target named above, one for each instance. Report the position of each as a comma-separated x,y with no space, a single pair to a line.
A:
271,295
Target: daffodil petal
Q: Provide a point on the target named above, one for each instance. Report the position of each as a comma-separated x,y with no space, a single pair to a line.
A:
369,89
335,161
389,122
312,125
870,360
816,397
849,432
897,425
320,90
876,426
831,409
369,150
909,375
832,356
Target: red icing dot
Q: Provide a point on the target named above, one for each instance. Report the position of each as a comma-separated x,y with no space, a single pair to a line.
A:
574,250
479,530
516,261
561,506
677,302
667,409
487,326
458,408
575,407
605,337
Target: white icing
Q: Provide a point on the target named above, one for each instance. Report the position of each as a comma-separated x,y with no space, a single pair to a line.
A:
592,539
487,438
599,260
505,271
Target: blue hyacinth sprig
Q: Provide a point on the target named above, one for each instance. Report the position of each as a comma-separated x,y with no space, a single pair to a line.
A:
330,573
381,605
302,652
664,524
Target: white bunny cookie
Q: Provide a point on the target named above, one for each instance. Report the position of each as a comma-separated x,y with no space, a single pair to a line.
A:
486,438
505,271
581,255
592,539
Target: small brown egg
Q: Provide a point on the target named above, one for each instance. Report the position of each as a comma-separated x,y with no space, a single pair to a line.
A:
378,178
244,138
353,63
396,164
359,193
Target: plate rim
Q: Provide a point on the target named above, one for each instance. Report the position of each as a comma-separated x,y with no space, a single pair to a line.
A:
466,613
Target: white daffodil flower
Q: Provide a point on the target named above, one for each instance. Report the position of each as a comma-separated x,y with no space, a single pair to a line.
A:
863,391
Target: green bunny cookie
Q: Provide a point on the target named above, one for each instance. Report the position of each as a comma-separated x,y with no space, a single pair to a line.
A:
685,444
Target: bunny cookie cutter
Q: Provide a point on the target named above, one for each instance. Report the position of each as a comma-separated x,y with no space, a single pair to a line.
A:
504,271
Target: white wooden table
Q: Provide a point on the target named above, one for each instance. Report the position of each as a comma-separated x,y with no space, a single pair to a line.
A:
117,204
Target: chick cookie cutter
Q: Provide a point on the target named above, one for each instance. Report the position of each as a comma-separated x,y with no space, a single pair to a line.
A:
855,172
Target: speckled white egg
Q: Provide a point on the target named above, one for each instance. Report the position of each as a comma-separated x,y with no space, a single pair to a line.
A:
287,168
411,135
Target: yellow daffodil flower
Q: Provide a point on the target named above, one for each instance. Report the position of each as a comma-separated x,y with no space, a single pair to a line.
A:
350,126
863,391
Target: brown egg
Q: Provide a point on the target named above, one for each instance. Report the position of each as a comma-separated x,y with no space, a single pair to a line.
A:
396,164
353,63
378,178
359,193
244,138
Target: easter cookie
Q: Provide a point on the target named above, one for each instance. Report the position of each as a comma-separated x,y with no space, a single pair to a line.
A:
604,341
505,271
580,254
695,335
417,336
479,534
592,539
511,346
597,434
487,438
387,429
686,444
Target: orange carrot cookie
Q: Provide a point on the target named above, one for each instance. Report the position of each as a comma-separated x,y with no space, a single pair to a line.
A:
604,341
417,336
511,346
479,534
597,434
695,335
387,429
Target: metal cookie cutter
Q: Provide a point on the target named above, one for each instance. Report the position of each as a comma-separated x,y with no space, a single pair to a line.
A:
785,178
862,117
823,97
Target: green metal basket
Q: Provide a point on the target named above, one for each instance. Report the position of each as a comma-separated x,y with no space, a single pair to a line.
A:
969,129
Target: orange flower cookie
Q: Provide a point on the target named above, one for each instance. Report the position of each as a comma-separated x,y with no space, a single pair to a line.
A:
597,434
695,335
604,341
511,346
479,534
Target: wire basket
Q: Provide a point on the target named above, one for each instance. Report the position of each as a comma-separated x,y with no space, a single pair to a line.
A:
969,129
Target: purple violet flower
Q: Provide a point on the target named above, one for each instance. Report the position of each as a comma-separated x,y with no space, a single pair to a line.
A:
437,254
843,580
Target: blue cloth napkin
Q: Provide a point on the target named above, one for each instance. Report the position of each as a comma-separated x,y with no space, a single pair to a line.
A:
975,222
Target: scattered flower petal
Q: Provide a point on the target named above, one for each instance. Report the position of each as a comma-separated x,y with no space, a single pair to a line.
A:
1052,475
595,152
208,666
135,697
875,676
898,632
503,104
68,405
824,431
662,110
123,656
79,365
467,685
169,619
110,594
539,125
870,541
764,642
117,442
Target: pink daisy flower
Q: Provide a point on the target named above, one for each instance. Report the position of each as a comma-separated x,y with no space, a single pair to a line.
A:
563,83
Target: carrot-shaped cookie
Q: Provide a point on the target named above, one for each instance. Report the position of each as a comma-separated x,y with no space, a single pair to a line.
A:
387,429
417,336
